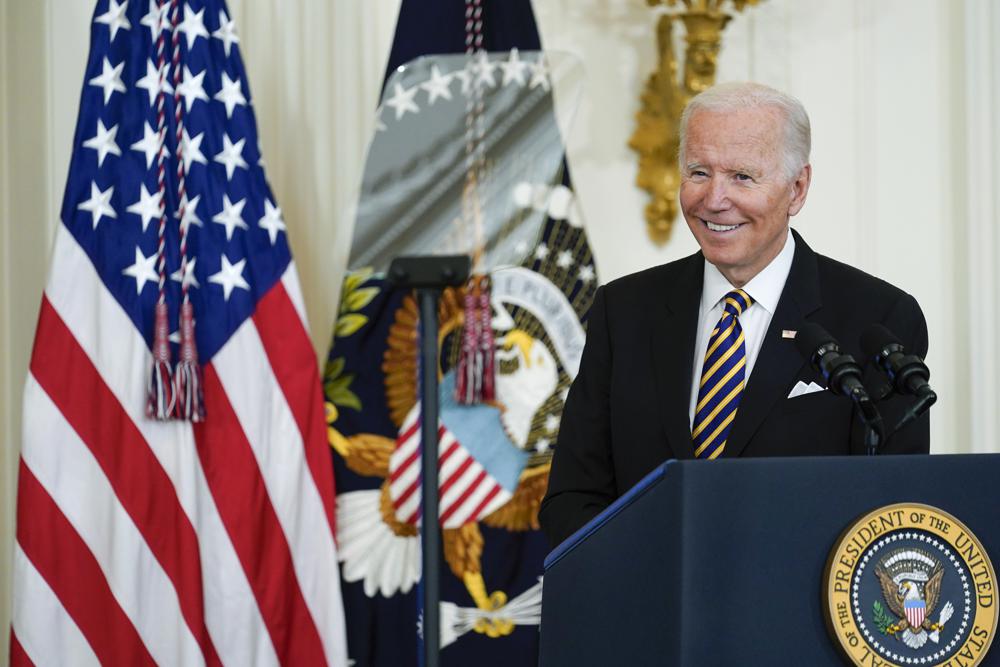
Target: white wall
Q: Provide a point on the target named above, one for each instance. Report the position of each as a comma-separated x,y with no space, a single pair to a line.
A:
904,97
903,101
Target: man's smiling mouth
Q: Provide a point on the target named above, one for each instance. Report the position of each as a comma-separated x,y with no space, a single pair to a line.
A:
720,228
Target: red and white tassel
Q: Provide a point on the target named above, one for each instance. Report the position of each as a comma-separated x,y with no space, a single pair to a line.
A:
465,375
187,374
160,396
486,343
475,380
190,401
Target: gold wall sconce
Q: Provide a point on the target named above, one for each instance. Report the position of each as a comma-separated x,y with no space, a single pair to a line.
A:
656,137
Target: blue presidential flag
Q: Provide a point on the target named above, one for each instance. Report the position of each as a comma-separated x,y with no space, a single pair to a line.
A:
466,158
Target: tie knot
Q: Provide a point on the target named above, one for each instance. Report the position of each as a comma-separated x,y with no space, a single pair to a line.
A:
736,302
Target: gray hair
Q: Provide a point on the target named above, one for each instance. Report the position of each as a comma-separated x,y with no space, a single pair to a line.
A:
746,95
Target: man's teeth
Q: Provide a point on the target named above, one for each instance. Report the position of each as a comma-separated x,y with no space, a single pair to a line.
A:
720,228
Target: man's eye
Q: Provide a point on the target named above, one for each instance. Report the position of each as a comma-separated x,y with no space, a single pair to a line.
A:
743,177
698,172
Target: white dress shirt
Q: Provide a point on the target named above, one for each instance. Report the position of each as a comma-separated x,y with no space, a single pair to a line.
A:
765,289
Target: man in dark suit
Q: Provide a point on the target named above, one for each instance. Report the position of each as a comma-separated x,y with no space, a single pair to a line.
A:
697,358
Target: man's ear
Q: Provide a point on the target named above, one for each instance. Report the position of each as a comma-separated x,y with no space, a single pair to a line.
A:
800,188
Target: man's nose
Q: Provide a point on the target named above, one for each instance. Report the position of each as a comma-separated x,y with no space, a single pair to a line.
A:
717,196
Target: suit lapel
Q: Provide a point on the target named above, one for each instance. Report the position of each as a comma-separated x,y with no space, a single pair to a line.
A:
673,331
778,362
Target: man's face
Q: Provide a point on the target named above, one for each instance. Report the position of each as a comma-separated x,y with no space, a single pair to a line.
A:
735,194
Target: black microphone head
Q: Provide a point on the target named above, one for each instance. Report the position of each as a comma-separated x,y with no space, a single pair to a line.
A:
876,339
811,337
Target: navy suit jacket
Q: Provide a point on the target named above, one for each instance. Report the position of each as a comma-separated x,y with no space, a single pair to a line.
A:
627,410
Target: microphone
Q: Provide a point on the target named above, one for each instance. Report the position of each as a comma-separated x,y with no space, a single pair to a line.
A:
843,377
907,373
841,372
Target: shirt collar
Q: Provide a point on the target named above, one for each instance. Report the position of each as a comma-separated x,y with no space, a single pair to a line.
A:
765,287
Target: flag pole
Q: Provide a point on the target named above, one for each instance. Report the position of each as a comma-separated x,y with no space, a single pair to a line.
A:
429,275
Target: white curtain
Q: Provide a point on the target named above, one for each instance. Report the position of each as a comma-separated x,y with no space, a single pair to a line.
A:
315,72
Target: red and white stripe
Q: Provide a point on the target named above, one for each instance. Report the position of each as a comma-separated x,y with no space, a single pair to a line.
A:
915,615
467,491
143,542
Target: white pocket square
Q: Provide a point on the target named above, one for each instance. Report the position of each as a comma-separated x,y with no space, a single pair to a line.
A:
801,388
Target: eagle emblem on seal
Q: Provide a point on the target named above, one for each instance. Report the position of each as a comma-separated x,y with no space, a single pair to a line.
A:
911,587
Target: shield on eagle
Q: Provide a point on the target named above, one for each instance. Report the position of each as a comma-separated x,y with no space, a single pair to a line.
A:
915,611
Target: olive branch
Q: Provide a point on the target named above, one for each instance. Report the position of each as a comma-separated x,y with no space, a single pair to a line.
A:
353,298
881,617
337,385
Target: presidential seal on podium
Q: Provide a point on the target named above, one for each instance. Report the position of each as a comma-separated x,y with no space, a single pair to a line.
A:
909,584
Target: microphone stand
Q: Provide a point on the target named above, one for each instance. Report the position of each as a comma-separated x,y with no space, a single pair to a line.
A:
872,419
841,373
429,275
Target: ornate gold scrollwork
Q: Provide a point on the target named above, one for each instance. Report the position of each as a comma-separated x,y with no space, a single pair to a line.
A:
657,121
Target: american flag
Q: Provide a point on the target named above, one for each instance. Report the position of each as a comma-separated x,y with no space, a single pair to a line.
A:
172,542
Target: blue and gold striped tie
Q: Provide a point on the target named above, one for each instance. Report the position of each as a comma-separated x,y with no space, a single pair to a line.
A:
723,377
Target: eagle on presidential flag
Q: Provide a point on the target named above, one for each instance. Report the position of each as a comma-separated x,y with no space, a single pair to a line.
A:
467,157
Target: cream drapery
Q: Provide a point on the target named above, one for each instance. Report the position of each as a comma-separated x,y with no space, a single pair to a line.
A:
315,73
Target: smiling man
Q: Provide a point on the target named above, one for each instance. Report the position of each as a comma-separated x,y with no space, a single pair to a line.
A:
696,358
